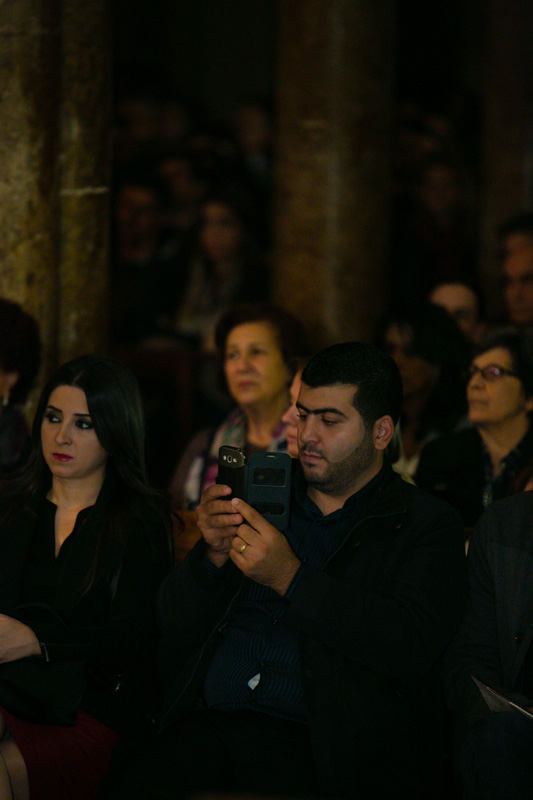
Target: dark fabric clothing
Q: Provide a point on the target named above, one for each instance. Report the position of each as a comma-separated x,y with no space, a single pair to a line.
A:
43,568
256,664
497,630
456,467
74,758
212,752
372,624
497,758
111,625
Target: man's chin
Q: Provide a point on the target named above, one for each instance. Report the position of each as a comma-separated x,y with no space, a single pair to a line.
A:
313,473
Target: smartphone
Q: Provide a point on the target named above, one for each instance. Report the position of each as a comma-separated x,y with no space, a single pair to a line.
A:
264,482
232,470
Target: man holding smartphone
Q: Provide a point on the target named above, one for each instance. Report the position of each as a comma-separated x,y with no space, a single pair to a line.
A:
305,663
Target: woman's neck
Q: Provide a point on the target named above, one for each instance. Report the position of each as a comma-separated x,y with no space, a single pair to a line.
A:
68,493
261,421
501,439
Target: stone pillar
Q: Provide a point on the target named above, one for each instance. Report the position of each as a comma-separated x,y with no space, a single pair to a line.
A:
30,81
85,168
332,189
54,180
508,130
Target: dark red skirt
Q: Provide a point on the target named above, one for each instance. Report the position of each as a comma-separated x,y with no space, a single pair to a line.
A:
63,762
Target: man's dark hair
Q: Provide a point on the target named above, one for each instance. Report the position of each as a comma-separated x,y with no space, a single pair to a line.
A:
365,366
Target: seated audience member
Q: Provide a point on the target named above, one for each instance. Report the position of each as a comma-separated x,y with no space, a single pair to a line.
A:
436,240
495,645
20,352
516,245
256,346
321,645
431,354
493,458
224,267
464,303
186,187
84,544
146,279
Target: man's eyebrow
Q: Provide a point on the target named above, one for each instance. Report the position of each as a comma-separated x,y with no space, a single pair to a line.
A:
324,410
59,411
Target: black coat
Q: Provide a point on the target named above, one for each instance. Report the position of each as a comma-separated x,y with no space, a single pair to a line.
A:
453,467
112,625
372,625
497,629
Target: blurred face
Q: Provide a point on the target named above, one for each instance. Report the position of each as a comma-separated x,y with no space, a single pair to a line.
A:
337,453
518,277
69,442
222,232
418,375
255,371
461,303
439,191
8,381
496,402
137,213
290,417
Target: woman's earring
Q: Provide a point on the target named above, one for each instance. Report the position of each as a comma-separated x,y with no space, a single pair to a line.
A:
5,399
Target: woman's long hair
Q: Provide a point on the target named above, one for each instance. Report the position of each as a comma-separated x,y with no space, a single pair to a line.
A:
434,336
115,406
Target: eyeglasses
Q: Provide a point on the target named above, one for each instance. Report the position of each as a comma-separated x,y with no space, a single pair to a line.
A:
491,372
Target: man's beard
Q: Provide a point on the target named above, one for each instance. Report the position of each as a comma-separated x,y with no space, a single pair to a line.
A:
338,477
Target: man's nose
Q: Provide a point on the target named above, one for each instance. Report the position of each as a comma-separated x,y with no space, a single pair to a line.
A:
307,430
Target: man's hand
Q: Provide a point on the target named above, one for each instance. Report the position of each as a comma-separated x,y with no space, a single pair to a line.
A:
218,522
17,640
261,552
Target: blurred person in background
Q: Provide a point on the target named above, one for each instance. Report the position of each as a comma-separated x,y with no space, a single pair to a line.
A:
256,347
516,245
431,354
464,302
494,457
145,276
20,355
224,268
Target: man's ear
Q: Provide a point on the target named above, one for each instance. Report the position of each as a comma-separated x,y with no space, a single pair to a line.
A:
383,432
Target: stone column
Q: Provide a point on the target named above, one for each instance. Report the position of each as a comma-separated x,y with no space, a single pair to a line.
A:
30,81
54,180
85,168
508,130
333,164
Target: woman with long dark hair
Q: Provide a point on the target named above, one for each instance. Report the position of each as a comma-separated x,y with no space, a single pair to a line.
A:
432,355
84,543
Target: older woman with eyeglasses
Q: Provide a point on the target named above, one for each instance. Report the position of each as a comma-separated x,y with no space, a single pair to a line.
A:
494,457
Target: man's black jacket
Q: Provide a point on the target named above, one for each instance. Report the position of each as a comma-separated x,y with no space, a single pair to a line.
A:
372,625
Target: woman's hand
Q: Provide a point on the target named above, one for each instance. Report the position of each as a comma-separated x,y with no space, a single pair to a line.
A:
17,640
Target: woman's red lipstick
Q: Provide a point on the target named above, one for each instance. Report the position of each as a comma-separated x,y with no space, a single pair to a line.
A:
62,457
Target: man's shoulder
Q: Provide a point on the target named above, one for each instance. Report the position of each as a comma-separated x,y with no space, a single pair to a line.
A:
410,499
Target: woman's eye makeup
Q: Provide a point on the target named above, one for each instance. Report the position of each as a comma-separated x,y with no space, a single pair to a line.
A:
84,424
